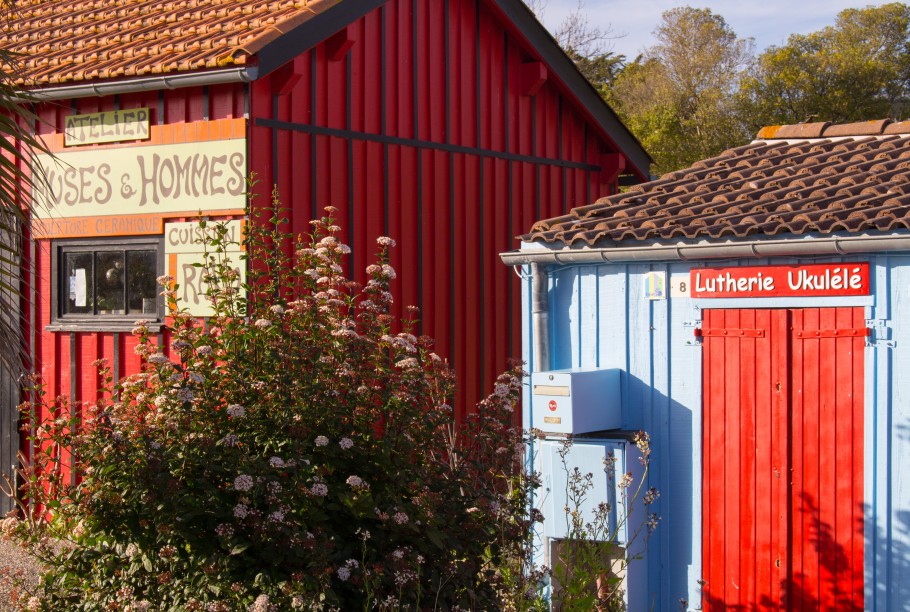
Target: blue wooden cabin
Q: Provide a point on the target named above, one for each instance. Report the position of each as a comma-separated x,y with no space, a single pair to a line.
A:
756,309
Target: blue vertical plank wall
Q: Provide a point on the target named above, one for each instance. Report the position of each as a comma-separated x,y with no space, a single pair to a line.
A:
887,469
600,318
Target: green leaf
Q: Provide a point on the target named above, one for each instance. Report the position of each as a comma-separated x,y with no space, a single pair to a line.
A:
435,537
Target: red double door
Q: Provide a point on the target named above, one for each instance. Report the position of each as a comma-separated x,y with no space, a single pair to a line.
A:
783,459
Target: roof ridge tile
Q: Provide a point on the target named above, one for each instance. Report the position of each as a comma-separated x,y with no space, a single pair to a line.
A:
859,128
898,127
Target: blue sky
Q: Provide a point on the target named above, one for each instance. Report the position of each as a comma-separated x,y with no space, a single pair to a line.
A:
769,22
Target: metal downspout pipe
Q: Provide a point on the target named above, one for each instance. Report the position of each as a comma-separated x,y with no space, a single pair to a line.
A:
540,316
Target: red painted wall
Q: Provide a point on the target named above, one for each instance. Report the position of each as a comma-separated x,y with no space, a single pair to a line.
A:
421,131
414,123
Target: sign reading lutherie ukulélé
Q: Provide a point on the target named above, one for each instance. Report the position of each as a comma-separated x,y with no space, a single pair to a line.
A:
146,179
813,280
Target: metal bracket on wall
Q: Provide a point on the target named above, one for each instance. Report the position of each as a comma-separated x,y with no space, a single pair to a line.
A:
695,340
880,330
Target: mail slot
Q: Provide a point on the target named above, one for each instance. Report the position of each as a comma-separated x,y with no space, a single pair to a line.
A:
576,401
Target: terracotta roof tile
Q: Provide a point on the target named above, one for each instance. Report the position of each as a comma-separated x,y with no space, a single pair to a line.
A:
71,41
901,127
835,178
855,129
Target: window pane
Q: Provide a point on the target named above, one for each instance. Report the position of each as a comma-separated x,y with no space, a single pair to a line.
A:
141,288
78,289
109,279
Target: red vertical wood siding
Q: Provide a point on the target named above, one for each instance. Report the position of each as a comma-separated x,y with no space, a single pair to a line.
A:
422,132
53,354
783,460
430,140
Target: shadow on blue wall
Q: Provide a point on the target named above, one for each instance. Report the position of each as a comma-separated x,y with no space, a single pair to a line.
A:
891,543
669,424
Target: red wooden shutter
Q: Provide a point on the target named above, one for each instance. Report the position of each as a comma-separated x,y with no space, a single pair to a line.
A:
827,459
783,459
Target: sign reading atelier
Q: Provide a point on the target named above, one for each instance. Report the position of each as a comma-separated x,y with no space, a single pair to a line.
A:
813,280
107,126
145,179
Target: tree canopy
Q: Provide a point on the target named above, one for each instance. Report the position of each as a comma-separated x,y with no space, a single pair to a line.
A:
856,69
678,97
701,89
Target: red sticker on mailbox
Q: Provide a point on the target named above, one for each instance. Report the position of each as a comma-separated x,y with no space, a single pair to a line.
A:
552,405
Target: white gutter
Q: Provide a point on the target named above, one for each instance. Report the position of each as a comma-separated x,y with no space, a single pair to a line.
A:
173,81
792,247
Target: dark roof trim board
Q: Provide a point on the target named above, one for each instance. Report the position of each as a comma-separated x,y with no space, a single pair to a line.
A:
550,52
311,32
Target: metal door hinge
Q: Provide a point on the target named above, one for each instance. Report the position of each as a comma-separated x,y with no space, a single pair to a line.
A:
881,343
880,330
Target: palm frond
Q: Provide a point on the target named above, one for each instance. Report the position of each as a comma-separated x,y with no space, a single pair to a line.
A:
19,178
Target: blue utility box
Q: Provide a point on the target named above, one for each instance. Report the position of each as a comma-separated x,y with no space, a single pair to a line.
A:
576,401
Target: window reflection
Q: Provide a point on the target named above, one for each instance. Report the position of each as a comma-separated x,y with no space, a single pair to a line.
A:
78,289
141,287
109,281
106,281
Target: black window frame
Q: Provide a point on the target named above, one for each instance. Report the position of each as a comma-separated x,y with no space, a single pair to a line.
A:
93,321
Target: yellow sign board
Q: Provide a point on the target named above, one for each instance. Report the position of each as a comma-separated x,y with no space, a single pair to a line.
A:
140,180
184,246
107,126
189,237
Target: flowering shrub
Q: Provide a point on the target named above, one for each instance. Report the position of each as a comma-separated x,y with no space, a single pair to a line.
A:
296,451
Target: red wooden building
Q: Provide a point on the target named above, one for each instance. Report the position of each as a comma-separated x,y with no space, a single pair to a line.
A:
450,125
